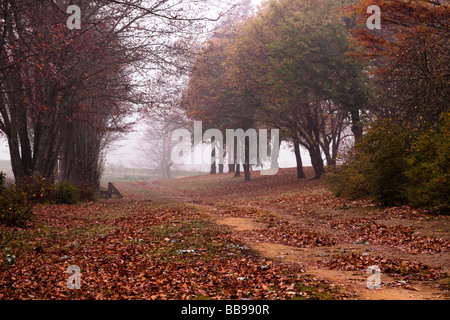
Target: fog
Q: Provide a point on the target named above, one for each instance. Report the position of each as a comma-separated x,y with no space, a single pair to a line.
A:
127,151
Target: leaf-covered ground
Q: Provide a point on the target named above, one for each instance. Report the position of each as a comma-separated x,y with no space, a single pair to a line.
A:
172,240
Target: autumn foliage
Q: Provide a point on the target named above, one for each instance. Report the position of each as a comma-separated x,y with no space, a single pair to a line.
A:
285,67
404,157
15,207
65,93
311,69
175,248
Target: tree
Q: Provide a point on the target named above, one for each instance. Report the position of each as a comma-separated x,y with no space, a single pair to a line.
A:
156,145
294,61
204,99
51,68
47,70
401,158
409,57
209,97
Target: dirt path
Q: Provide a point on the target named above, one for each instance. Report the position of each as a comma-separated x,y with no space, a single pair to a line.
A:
298,221
354,283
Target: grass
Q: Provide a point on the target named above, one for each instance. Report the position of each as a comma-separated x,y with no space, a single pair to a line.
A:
121,173
203,183
90,231
320,291
197,239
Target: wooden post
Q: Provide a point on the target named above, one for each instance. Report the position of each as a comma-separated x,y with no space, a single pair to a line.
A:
112,190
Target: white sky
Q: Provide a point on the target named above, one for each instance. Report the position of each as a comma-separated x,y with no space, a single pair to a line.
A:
4,153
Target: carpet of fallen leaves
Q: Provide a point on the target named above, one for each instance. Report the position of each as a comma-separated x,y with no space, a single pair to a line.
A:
162,242
142,250
403,237
292,235
407,270
407,242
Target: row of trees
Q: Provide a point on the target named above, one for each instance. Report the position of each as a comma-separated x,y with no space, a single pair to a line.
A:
314,70
286,67
311,69
65,94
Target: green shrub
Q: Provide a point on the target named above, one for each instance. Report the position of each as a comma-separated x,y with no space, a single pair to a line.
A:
397,164
428,167
347,180
376,168
43,190
384,150
65,193
2,180
15,209
38,188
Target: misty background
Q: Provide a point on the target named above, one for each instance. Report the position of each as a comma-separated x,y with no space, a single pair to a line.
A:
125,159
130,156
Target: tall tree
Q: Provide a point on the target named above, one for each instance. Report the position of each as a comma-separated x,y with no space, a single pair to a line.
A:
401,159
209,97
409,56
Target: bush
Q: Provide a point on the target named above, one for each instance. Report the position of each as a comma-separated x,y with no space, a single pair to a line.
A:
376,168
397,164
42,190
38,189
384,150
428,167
2,180
65,193
15,209
347,180
88,191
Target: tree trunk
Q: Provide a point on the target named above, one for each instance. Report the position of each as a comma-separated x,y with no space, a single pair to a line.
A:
247,159
17,131
331,162
168,175
25,145
237,171
298,157
81,156
317,161
247,172
357,128
222,159
213,156
16,161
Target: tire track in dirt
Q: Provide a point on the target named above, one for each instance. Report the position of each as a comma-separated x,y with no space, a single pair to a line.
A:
312,260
